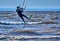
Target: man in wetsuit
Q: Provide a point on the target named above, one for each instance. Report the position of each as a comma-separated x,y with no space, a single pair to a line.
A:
19,10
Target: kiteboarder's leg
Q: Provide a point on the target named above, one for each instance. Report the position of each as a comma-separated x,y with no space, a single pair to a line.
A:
26,16
22,18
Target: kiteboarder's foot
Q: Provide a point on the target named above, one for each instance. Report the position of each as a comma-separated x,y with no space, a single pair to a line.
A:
24,22
30,17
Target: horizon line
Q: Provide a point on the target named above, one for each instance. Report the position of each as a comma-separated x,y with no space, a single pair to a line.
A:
31,9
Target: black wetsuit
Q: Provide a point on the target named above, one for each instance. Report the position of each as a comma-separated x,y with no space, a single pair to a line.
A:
20,11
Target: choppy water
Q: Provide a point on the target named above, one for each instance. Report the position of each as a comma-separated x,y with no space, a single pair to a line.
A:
49,26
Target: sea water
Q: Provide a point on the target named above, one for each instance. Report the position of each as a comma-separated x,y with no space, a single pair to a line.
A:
50,31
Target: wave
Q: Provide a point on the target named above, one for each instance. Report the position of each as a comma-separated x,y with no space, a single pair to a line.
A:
28,37
6,22
39,22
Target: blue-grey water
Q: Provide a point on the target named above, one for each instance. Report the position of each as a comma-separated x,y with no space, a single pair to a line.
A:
50,25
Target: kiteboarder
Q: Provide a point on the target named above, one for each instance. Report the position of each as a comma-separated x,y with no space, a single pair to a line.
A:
19,10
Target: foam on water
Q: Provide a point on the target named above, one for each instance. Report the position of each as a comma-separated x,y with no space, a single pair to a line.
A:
7,22
26,37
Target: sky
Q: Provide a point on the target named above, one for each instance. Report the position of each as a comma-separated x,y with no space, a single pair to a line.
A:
37,4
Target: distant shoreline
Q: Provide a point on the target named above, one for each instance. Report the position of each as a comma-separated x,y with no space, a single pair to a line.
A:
31,9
